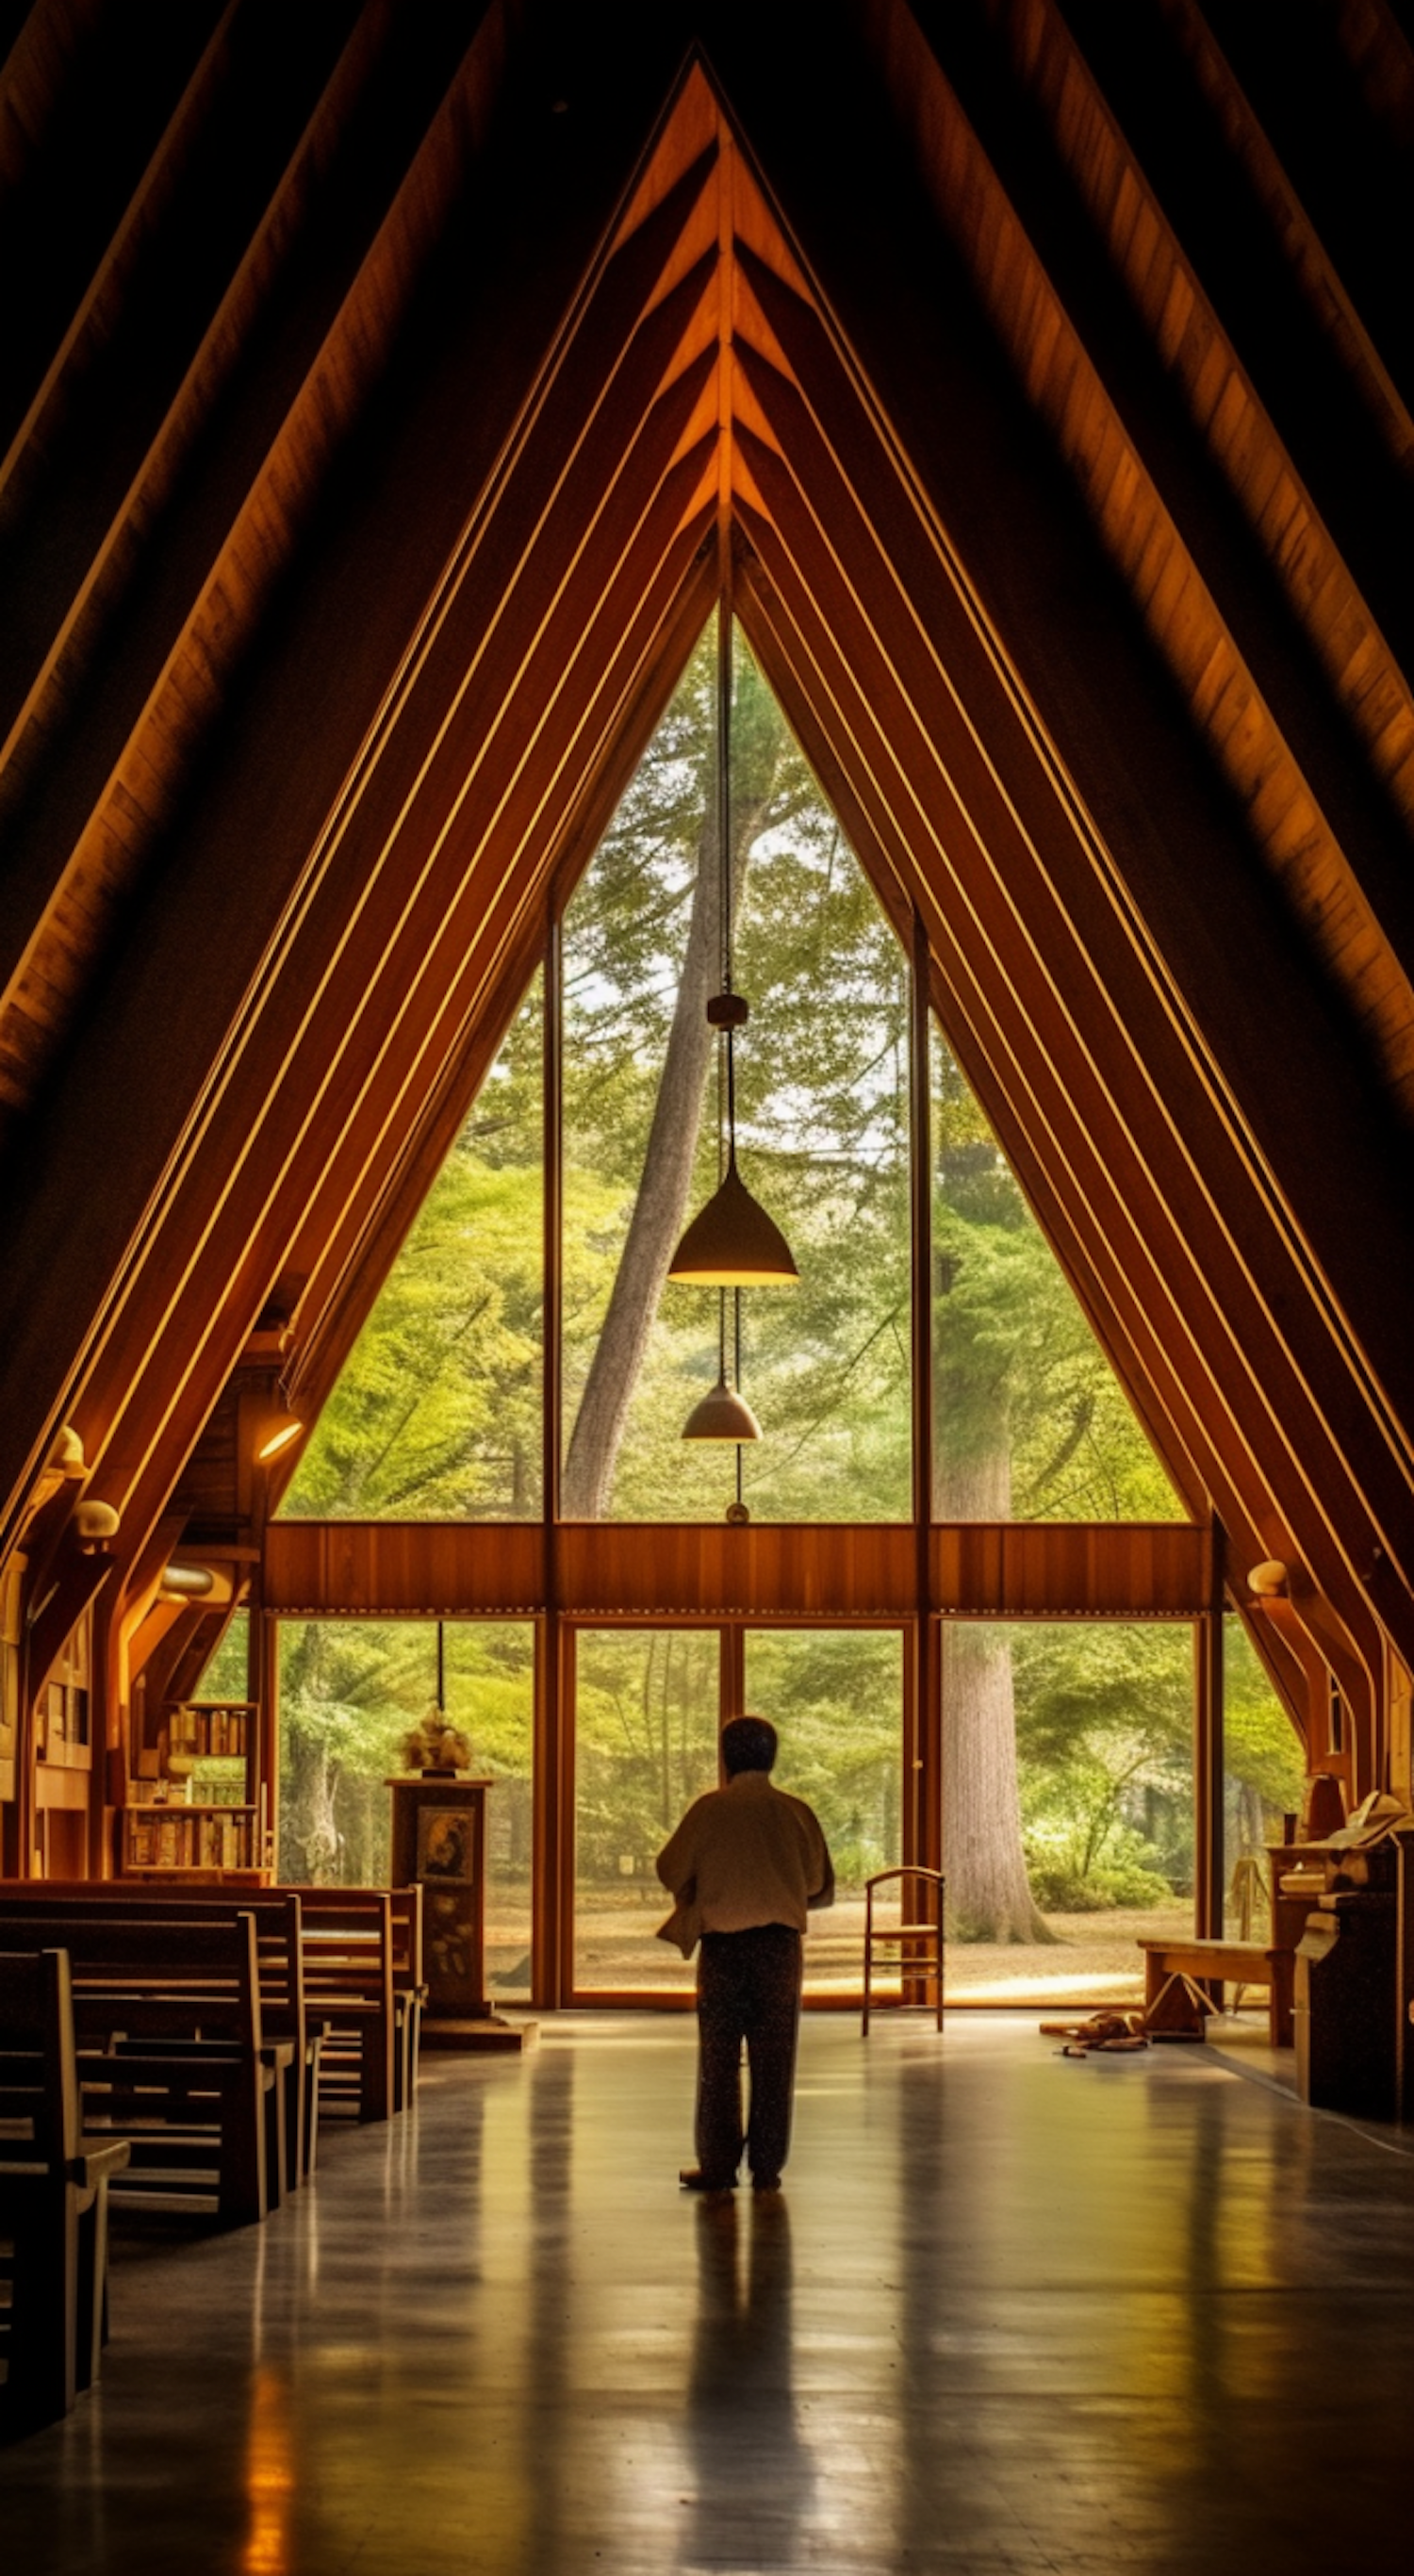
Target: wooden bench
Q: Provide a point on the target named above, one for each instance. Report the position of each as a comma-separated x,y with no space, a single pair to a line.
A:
409,1989
285,2013
53,2198
1235,1963
348,1971
172,2056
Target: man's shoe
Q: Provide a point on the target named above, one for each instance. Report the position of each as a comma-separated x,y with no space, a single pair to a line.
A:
692,2178
765,2182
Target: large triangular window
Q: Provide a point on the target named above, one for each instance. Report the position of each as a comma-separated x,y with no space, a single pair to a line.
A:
438,1412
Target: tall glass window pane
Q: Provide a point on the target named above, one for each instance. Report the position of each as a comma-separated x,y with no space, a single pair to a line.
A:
1067,1805
836,1697
646,1702
1030,1421
437,1413
227,1672
822,1131
350,1690
1265,1777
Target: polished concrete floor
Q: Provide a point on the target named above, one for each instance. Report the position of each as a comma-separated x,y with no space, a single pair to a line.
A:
1013,2313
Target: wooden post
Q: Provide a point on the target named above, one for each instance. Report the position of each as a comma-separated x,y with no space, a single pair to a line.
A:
552,1839
1208,1774
731,1700
923,1784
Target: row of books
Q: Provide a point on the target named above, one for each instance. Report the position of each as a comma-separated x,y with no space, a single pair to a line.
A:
187,1838
209,1728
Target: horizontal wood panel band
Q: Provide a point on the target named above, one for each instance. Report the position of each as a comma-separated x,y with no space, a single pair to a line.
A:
1018,1570
827,1572
402,1569
1029,1569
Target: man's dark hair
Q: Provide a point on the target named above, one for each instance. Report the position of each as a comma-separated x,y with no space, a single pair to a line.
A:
748,1744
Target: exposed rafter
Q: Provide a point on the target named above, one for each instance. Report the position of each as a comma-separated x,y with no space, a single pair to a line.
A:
407,527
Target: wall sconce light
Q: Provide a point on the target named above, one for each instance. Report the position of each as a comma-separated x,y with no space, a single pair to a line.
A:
94,1524
285,1428
66,1456
187,1583
1268,1581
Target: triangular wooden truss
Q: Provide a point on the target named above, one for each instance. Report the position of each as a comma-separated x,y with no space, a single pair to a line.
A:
456,520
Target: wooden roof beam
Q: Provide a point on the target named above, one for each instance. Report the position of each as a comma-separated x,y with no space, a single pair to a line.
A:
326,1043
1196,587
95,831
200,943
1164,849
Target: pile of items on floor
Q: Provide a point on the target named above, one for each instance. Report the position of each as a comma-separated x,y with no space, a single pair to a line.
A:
1178,2011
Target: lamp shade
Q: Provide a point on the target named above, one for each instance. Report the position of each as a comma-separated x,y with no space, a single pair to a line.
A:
722,1415
733,1243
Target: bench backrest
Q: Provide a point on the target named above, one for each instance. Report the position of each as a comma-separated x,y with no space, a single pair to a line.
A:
275,1914
152,1979
39,2093
348,1945
406,1928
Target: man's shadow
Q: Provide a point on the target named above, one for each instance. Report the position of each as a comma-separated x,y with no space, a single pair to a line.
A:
754,2478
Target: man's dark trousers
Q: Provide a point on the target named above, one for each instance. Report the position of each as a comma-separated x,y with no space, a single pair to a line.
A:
748,1988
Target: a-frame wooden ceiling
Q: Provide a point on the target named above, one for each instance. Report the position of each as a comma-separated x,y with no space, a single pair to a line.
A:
382,385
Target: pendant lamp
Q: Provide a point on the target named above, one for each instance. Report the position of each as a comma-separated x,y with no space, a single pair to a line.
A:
731,1242
724,1414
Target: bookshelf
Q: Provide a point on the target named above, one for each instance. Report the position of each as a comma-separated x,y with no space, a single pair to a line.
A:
194,1804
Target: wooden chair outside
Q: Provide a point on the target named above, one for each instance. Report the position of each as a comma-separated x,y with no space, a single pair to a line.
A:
914,1945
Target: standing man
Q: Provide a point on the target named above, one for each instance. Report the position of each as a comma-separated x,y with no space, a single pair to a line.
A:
743,1867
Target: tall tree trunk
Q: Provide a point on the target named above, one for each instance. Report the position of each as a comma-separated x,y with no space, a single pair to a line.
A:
660,1209
989,1894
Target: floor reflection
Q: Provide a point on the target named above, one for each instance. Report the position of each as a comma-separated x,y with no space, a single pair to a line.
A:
753,2477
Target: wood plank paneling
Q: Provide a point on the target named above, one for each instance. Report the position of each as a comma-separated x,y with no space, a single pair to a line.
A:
1026,1570
813,1574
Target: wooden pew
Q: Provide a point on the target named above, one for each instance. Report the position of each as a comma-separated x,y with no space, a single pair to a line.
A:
359,1985
172,2056
53,2198
409,1989
285,2011
348,1970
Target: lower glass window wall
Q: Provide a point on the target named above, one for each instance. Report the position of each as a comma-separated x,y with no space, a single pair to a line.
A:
350,1690
646,1703
1068,1806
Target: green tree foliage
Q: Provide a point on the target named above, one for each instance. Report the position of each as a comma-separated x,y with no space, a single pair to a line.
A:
839,1692
645,1745
1104,1721
437,1413
822,1124
1017,1369
350,1690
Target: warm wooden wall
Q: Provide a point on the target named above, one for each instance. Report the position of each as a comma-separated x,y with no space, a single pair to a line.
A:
365,1569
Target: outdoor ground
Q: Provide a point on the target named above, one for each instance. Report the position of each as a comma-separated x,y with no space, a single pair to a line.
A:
1094,1957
